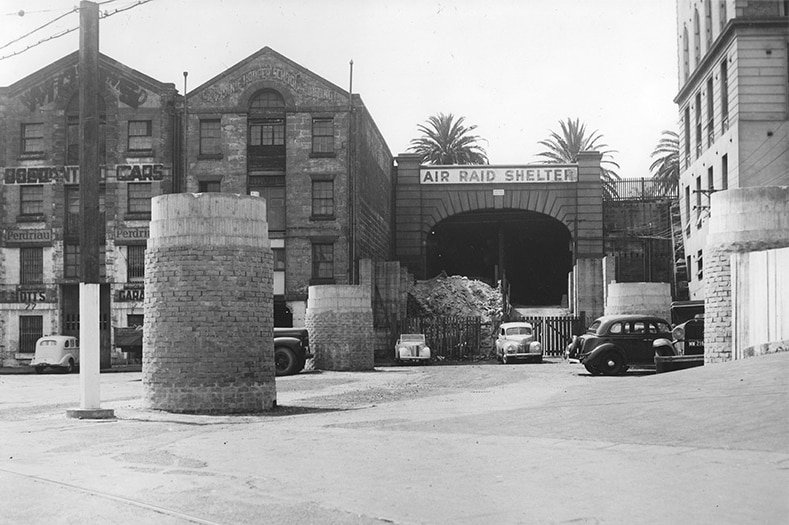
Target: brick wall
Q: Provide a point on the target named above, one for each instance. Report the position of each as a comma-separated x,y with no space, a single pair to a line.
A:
208,334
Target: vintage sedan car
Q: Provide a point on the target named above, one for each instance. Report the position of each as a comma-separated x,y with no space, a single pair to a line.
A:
516,342
412,348
56,351
614,343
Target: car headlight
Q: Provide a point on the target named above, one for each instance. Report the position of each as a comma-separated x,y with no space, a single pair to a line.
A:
512,348
678,333
424,352
535,347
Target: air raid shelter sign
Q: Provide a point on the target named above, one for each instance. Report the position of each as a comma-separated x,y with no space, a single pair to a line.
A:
498,174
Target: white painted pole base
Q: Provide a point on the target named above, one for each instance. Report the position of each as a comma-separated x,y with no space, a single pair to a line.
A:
89,356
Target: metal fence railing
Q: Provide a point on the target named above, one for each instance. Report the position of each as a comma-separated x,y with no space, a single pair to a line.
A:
640,189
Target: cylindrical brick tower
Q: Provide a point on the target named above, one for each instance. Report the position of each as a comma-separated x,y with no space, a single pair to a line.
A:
340,323
741,220
208,332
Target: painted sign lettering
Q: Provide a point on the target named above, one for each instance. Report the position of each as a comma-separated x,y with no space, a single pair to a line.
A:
133,172
31,296
128,235
131,294
48,91
16,237
70,174
498,174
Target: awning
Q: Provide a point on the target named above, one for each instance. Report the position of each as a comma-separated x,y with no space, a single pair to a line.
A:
130,338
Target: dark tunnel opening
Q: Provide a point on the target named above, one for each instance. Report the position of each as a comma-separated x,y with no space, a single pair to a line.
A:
529,249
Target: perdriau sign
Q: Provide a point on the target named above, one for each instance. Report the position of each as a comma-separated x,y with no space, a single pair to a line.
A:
498,174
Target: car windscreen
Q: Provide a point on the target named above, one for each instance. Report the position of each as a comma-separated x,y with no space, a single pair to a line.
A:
594,326
519,330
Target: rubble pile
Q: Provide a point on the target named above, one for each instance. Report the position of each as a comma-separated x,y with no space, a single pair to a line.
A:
455,295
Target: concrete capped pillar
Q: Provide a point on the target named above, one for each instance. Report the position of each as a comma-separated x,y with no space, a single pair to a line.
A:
340,324
208,332
741,220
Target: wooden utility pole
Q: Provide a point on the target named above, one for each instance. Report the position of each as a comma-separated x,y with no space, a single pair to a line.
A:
89,287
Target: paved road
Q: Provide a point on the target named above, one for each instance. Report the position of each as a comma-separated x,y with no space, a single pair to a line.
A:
472,444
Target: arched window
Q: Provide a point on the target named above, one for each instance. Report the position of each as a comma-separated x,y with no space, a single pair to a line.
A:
266,137
685,53
72,131
696,38
266,154
708,24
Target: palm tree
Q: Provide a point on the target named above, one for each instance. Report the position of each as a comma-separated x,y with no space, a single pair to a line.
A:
564,148
445,140
665,167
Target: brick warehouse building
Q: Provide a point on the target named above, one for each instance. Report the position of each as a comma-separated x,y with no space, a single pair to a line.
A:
39,192
266,126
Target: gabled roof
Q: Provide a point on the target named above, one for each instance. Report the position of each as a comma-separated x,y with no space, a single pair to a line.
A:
71,60
266,51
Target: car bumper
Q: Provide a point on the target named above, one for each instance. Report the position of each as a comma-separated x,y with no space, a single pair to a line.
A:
413,358
524,355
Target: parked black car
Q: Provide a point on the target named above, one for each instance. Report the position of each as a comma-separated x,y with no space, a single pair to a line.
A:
291,350
614,343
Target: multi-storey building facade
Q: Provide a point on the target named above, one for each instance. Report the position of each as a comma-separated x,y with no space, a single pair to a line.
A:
39,196
733,108
269,127
266,127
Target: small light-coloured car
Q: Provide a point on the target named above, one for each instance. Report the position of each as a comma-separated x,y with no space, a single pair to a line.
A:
56,351
412,348
516,342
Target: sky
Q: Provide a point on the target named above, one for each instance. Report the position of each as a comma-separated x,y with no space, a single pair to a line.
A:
512,68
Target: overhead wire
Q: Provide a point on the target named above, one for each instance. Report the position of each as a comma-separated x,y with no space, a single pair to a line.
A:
105,14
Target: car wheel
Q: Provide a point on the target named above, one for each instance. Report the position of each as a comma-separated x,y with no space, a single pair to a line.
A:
285,363
70,366
591,369
538,359
611,363
39,369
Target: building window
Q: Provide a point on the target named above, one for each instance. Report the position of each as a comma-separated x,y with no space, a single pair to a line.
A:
135,263
31,199
273,190
71,261
710,114
72,131
323,198
279,259
688,131
698,124
724,96
31,328
323,135
696,38
210,137
725,172
722,13
323,261
209,186
33,138
710,180
700,265
688,260
134,320
687,205
685,52
708,23
139,197
140,135
31,265
698,201
266,132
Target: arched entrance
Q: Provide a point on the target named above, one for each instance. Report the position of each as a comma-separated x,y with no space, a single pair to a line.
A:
529,251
